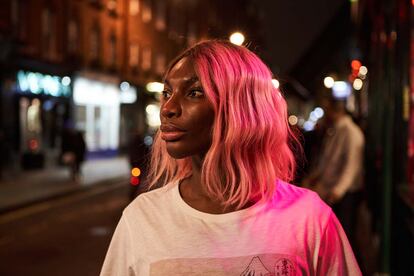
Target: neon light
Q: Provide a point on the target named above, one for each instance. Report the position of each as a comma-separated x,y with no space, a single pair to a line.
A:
37,83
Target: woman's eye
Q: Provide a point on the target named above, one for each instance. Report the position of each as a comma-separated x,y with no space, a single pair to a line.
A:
196,93
165,94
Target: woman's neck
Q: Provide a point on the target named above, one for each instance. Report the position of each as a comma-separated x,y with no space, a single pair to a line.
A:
194,194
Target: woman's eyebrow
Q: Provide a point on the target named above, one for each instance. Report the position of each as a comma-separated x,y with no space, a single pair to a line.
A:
191,80
166,83
187,81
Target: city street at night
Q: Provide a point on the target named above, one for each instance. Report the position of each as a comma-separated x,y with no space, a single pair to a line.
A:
286,129
64,236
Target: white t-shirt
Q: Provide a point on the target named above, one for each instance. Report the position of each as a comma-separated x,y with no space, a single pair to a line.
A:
294,234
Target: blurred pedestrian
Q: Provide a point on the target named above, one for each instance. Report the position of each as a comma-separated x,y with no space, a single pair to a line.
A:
338,174
73,149
223,155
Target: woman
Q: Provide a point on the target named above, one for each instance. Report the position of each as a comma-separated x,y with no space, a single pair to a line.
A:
222,157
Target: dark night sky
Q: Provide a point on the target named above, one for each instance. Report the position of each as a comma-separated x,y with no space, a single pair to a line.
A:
290,28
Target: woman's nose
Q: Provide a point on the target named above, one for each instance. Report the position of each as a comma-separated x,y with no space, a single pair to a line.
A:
171,108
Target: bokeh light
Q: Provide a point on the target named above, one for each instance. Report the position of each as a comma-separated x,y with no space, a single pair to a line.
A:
237,38
328,82
357,84
276,83
293,120
136,172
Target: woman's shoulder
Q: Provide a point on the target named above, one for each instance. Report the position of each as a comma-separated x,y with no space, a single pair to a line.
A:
150,201
292,196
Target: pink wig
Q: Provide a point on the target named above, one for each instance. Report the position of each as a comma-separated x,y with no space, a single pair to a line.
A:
250,136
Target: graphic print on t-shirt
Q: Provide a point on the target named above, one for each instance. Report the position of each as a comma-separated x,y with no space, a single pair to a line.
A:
255,265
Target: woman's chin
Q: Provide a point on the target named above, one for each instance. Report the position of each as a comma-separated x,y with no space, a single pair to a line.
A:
176,153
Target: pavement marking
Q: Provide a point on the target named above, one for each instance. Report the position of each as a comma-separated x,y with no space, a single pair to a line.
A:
43,206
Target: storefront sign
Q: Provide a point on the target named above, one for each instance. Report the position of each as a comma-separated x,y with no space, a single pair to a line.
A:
37,83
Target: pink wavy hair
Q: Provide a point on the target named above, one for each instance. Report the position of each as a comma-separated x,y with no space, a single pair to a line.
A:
250,136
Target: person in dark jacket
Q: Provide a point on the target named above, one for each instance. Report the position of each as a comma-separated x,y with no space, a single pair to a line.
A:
73,151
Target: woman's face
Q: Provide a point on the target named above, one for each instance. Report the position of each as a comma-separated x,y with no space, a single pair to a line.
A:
186,114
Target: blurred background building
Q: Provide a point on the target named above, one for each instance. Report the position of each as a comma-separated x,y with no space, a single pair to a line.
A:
87,64
96,65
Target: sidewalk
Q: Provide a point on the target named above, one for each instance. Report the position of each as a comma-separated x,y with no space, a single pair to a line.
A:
33,186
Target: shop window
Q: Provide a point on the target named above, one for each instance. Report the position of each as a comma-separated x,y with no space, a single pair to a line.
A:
146,11
134,7
46,30
111,5
94,43
160,64
112,49
73,36
160,16
146,59
133,55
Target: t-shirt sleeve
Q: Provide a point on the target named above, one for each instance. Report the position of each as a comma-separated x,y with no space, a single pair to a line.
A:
119,258
335,254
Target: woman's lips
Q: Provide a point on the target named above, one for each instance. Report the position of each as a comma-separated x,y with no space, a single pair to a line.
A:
170,136
171,133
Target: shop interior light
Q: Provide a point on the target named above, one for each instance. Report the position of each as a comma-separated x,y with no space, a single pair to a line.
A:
153,115
124,86
87,91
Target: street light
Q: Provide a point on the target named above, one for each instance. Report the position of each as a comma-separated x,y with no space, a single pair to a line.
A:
328,82
275,83
237,38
